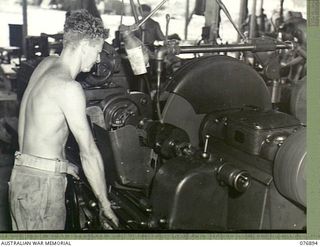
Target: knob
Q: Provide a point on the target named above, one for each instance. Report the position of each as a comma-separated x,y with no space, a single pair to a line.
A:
237,179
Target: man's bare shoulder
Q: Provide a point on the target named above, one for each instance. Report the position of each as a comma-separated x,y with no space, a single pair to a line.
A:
73,87
62,82
70,92
47,62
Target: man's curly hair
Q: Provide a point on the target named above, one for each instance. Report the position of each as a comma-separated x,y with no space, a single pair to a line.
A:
80,24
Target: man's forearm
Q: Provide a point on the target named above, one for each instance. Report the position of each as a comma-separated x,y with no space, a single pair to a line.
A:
94,171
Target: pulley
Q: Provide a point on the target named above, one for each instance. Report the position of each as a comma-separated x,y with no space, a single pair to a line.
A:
208,84
290,167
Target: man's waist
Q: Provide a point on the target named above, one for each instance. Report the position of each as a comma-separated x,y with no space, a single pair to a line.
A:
40,163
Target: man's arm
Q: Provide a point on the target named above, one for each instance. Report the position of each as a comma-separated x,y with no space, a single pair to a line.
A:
74,110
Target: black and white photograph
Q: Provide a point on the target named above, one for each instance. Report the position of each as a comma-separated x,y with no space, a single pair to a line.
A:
153,116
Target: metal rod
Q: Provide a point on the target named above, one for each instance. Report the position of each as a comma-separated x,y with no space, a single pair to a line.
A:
292,62
25,25
253,20
152,13
167,27
134,11
242,16
281,11
158,97
226,48
139,7
186,20
261,5
143,31
122,12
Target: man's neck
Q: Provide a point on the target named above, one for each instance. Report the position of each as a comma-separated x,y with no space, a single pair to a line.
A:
70,59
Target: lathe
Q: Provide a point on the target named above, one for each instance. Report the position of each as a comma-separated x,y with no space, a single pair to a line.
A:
221,159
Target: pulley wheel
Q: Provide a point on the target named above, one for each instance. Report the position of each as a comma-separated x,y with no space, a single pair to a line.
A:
208,84
289,167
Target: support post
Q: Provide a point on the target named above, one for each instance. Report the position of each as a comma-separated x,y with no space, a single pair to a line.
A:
187,20
24,26
242,16
212,20
253,20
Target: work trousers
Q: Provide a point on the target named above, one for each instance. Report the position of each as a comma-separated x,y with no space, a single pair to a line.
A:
36,195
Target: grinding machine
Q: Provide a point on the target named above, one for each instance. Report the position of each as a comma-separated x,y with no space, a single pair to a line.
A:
219,158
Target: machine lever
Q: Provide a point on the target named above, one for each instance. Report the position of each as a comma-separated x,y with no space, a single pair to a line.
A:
205,154
167,27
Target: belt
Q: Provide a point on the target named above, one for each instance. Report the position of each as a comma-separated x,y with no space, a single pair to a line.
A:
50,165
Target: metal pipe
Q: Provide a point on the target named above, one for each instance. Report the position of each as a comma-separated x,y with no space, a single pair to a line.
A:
160,55
242,16
230,48
134,11
281,11
212,14
163,51
25,25
186,20
253,20
261,6
167,27
159,70
152,13
139,7
292,62
143,31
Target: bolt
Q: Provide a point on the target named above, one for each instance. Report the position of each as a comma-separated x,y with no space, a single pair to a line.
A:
171,143
143,101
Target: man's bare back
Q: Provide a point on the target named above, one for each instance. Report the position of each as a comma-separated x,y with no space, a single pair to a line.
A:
40,113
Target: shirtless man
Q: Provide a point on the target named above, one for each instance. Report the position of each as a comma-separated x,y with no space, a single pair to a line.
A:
52,104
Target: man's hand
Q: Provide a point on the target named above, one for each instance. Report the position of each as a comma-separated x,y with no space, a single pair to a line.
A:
108,219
